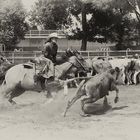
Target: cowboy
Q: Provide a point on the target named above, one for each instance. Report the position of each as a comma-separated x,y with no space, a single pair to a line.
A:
46,70
45,63
50,48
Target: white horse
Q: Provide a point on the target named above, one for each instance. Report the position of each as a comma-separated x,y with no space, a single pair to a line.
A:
18,79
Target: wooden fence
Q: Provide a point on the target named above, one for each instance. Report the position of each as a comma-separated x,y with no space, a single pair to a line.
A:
24,56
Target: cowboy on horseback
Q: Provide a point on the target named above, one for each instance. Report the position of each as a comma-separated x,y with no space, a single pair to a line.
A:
45,62
49,56
50,48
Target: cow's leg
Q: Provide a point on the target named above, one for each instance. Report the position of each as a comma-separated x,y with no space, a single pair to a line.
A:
79,94
114,87
84,102
71,102
105,102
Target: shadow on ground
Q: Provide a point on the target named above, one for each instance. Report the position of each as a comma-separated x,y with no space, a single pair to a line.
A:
99,109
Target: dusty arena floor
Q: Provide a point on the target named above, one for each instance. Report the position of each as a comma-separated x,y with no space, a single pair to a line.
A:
35,119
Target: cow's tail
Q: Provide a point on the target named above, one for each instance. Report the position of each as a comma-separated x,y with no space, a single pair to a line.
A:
78,95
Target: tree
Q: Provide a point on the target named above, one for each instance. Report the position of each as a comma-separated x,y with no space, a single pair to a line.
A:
128,25
81,10
12,24
108,20
50,14
135,6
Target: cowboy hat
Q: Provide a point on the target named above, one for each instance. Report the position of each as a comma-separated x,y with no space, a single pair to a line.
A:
53,35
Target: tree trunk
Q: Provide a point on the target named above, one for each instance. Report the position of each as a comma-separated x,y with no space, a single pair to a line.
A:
84,28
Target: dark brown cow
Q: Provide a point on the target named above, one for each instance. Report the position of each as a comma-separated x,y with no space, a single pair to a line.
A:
95,89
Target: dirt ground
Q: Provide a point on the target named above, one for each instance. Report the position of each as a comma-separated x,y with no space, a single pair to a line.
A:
33,118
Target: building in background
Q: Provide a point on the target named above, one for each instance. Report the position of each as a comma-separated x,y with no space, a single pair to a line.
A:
35,39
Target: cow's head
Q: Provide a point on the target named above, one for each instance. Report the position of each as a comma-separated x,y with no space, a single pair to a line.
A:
120,75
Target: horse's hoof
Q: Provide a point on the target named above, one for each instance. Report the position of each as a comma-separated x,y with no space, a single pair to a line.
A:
13,103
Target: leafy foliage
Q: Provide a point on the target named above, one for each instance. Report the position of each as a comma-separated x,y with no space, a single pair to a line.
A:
13,26
108,22
51,14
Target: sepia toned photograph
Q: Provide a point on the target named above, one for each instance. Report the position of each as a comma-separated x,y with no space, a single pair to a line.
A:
69,69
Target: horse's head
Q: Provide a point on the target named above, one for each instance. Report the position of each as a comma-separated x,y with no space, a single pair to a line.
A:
79,63
69,52
72,52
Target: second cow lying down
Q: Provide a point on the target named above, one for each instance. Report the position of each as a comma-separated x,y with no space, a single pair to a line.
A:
95,89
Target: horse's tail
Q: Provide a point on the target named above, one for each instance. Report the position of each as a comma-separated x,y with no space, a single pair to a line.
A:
3,83
3,87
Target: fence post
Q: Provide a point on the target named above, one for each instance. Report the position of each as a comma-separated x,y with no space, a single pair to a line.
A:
88,54
30,33
107,53
13,57
34,54
104,49
127,50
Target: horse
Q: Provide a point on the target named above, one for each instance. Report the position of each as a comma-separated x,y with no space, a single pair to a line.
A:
73,72
19,78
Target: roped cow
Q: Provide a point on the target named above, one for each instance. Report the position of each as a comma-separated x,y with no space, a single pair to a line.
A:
95,89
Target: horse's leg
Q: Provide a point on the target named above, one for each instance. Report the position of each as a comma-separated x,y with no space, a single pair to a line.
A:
127,78
130,78
48,94
15,93
11,101
7,89
75,83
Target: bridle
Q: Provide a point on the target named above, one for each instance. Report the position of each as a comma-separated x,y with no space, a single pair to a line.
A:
78,63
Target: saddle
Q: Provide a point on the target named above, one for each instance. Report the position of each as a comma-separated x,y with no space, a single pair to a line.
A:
30,64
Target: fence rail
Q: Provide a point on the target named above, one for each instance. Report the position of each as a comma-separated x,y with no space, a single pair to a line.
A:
32,33
24,56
